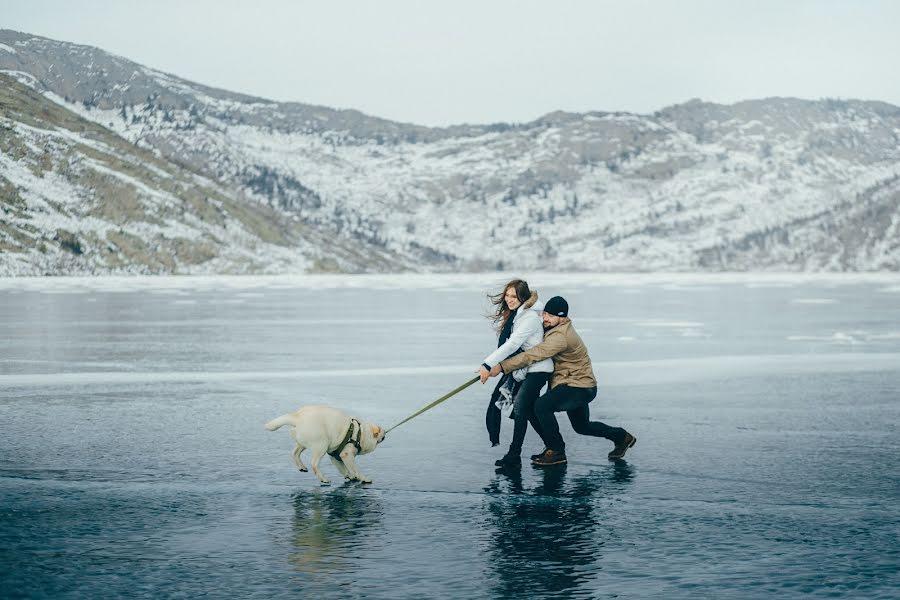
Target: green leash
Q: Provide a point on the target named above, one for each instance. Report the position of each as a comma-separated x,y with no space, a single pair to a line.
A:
435,403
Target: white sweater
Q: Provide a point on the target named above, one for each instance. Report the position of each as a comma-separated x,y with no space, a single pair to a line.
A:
527,332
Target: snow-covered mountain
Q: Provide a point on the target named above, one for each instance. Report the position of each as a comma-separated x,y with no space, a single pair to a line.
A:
94,145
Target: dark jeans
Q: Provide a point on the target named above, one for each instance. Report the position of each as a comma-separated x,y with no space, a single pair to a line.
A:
523,409
575,402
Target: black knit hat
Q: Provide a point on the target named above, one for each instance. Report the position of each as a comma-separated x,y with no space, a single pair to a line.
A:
557,306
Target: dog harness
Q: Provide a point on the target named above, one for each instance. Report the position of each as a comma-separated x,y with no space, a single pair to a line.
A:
348,439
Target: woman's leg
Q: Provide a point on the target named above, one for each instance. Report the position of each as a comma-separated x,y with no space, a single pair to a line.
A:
523,409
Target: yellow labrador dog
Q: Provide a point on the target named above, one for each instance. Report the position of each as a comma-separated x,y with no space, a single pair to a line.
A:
325,430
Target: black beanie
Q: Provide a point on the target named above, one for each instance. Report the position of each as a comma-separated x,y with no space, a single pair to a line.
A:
557,306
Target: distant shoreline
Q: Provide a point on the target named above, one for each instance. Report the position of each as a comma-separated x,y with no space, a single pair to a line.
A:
477,281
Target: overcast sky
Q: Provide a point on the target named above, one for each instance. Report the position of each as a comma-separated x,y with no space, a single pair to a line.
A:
440,62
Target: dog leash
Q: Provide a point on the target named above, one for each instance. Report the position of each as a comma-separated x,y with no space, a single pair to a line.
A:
435,403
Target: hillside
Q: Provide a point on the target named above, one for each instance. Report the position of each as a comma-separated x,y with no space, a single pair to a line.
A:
107,144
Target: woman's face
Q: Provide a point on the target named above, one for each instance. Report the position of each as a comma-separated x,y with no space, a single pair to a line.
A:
512,300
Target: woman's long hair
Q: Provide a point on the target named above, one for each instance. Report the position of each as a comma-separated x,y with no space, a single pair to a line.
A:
501,314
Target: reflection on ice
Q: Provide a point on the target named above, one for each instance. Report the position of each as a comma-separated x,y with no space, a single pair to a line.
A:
568,513
331,531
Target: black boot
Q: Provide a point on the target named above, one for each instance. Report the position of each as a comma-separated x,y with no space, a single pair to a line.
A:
509,460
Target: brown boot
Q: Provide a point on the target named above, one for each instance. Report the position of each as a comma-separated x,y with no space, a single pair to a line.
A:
541,453
622,447
550,457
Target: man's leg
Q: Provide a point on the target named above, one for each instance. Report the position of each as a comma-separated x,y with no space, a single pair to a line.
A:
580,418
581,423
558,399
544,409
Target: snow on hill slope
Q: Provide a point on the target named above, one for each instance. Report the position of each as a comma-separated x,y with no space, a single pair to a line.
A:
774,184
77,199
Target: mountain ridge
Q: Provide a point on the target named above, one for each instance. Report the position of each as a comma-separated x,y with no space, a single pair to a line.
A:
766,184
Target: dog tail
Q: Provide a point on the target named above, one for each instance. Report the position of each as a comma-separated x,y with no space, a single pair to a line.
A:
281,421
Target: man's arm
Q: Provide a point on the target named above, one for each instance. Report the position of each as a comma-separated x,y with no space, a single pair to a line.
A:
553,344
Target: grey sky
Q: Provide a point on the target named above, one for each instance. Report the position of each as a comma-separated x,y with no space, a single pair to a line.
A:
441,62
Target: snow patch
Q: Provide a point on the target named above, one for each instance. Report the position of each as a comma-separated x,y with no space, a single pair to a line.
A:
853,337
620,373
21,76
838,337
127,378
814,301
667,371
670,324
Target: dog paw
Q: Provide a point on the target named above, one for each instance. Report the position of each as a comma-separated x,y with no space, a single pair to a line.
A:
303,470
324,482
364,480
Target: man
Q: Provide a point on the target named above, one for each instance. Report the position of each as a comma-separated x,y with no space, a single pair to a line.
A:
572,387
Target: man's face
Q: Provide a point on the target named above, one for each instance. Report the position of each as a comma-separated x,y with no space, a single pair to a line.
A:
550,320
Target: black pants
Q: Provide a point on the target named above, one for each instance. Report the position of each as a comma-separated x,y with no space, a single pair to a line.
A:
575,402
523,409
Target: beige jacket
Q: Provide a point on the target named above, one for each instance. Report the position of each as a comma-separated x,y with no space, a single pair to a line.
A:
571,363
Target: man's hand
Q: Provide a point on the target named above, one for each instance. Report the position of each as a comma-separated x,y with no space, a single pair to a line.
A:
483,373
495,371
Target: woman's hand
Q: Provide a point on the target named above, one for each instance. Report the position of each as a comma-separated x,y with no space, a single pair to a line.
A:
495,371
484,374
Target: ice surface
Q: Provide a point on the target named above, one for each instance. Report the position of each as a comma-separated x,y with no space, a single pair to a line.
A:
134,462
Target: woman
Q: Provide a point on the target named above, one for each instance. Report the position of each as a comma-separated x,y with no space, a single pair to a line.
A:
520,326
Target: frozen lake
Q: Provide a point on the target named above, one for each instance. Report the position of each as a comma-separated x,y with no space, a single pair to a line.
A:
134,463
